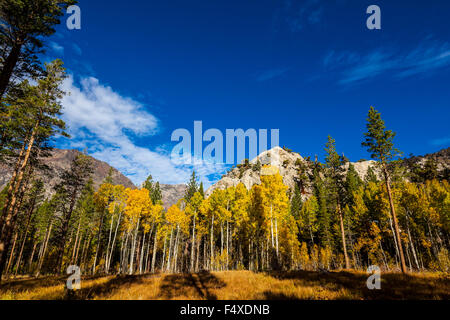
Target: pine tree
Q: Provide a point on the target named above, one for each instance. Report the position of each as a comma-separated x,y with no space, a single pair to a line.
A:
23,24
370,176
335,175
192,187
324,218
201,190
72,183
37,111
296,203
379,143
156,195
352,184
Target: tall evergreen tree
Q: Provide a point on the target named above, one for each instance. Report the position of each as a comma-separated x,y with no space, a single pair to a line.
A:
23,24
201,190
154,189
72,183
156,195
379,143
37,112
352,184
335,175
296,203
192,187
323,216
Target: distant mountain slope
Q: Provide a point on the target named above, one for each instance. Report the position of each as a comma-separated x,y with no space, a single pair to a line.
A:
288,163
441,157
59,161
171,193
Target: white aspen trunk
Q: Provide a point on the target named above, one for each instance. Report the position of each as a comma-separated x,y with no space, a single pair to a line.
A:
107,247
271,226
276,234
212,245
114,241
123,256
164,254
147,266
170,251
198,254
412,245
221,245
175,260
141,260
133,248
193,244
155,246
227,246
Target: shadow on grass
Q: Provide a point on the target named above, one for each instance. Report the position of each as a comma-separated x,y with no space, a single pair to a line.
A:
31,284
28,284
393,285
181,285
110,287
269,295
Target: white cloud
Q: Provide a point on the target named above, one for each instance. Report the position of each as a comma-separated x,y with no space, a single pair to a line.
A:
106,123
58,49
428,57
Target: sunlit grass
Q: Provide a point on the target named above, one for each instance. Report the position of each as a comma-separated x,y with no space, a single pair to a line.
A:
235,285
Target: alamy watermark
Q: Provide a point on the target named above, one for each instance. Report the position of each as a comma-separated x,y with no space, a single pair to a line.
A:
191,150
74,280
374,21
374,280
73,22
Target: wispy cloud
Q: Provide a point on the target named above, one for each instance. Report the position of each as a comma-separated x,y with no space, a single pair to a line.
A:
77,49
107,124
56,48
297,15
270,74
441,142
428,57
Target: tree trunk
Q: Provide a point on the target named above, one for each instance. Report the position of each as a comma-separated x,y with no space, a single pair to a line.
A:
155,246
212,245
193,244
141,258
114,242
8,67
170,250
412,245
133,248
11,255
9,219
394,216
344,244
99,235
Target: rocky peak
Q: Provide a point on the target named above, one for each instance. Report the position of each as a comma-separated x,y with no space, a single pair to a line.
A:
286,161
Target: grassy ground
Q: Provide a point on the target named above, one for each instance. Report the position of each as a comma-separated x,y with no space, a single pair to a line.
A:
240,285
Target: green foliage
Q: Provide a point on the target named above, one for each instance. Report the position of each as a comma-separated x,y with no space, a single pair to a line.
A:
296,203
192,187
378,140
23,25
370,176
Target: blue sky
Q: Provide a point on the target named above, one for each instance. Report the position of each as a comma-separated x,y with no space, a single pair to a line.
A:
141,69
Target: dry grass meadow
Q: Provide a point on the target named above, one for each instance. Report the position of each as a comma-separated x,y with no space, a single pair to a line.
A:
235,285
